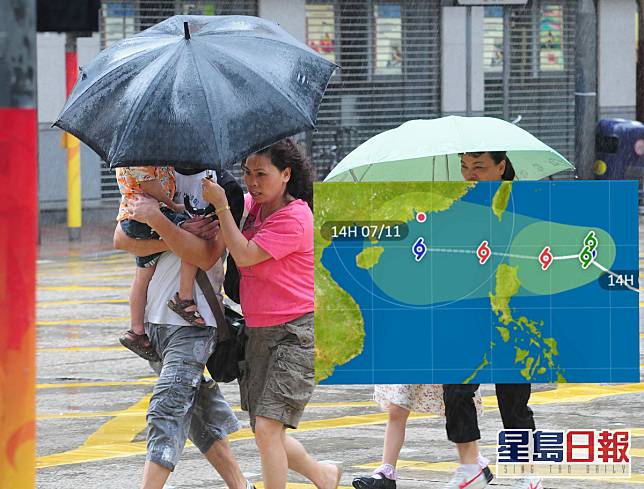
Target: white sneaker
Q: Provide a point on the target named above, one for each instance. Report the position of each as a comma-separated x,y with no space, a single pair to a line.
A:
463,480
528,483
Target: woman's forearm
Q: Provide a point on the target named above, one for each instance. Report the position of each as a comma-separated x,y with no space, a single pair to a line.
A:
245,253
190,248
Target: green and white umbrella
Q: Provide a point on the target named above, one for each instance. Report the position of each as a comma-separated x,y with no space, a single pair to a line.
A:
428,150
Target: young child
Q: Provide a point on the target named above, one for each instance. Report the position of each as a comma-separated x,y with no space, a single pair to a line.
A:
157,182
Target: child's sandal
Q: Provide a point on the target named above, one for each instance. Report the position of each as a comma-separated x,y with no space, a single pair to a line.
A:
180,306
139,344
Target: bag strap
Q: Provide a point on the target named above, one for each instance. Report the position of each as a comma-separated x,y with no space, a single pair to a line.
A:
215,304
243,218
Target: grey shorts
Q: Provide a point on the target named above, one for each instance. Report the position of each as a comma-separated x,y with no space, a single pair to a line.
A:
277,376
184,403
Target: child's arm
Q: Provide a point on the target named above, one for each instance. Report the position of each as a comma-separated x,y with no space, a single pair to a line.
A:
190,248
155,189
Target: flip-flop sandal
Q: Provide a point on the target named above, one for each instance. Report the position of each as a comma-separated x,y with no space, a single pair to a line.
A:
179,307
139,344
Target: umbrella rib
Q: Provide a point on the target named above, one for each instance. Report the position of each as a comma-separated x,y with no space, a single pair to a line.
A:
270,39
212,118
268,82
144,95
103,74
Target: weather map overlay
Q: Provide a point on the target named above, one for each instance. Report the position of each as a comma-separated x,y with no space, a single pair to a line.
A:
482,282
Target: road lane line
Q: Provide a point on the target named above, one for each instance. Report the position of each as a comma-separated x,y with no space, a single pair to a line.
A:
67,322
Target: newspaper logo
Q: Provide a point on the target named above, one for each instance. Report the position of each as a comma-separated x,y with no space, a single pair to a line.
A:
570,453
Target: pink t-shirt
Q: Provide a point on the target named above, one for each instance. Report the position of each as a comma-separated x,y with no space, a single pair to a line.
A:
279,289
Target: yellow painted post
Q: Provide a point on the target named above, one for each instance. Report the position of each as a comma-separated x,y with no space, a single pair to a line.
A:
74,207
74,203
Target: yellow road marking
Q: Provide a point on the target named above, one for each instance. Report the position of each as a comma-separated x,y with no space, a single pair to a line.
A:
341,404
95,384
87,276
112,440
573,393
87,269
130,412
81,287
78,302
81,348
65,322
116,435
97,414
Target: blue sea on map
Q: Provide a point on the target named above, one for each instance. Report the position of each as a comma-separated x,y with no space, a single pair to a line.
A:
452,341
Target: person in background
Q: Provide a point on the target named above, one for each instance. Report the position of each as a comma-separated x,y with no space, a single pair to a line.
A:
399,400
460,412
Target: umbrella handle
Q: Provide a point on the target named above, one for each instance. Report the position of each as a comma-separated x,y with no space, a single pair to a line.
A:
186,31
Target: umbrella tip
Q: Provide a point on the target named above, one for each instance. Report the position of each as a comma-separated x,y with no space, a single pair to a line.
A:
186,31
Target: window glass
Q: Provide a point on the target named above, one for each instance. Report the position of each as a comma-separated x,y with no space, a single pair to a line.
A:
320,29
493,40
551,57
388,39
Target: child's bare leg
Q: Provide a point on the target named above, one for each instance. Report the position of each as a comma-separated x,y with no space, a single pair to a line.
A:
184,304
187,281
138,297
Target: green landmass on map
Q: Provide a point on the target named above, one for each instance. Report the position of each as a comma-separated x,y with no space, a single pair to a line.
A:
339,332
339,326
533,350
501,199
369,257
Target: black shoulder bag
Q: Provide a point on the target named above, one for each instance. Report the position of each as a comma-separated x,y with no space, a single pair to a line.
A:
231,339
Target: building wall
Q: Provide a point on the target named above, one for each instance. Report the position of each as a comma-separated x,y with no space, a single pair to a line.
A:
617,58
52,157
453,62
616,97
290,15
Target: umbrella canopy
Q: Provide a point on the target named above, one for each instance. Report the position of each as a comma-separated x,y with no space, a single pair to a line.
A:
196,92
427,150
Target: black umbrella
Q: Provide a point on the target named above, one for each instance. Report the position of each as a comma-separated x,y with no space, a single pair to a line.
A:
196,92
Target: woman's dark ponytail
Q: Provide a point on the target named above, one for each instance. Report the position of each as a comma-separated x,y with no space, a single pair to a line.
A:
498,157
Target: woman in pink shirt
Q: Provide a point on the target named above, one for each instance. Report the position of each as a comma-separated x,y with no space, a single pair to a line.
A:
274,254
